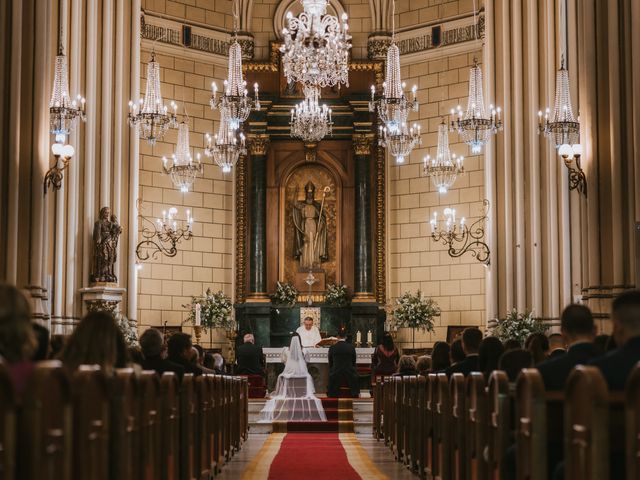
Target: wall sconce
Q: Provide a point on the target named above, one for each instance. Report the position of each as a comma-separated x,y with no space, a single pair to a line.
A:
62,154
165,235
571,156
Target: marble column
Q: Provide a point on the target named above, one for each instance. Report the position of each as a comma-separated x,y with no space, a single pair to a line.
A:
363,265
258,147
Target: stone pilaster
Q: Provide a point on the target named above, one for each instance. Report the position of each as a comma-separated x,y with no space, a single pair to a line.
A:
363,287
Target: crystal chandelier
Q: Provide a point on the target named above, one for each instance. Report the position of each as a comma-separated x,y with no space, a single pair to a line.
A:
165,235
401,142
393,107
310,122
316,47
446,166
63,112
150,113
183,170
226,146
562,128
475,126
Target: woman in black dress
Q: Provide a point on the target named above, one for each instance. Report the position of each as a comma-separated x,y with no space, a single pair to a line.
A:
385,358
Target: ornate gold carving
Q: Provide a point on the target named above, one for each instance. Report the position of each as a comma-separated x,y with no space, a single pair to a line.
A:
381,282
258,143
310,151
362,143
241,227
377,46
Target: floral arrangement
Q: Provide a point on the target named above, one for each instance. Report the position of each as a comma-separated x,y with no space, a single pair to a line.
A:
337,295
215,311
518,326
415,311
285,294
129,331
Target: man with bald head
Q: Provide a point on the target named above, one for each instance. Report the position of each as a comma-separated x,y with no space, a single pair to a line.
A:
249,357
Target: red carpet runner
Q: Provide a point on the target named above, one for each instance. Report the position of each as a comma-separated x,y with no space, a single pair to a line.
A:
319,455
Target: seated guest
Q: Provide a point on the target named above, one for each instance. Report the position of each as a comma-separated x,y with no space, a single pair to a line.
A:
249,357
218,364
342,367
385,358
17,337
200,350
556,345
423,365
152,346
56,345
512,361
512,344
488,355
601,344
538,345
406,366
456,353
97,340
440,359
471,338
617,364
578,331
196,361
42,339
180,351
208,361
309,333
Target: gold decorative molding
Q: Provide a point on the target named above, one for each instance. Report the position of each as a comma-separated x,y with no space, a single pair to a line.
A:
310,151
258,143
362,143
241,228
381,281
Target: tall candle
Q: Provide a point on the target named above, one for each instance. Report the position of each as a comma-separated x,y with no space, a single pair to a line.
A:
369,337
198,320
358,337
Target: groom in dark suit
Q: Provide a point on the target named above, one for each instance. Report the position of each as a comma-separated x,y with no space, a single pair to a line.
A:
342,367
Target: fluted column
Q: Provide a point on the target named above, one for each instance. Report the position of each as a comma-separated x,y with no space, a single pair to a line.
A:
362,144
258,147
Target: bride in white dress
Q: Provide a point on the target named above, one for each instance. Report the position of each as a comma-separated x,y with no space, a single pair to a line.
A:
294,397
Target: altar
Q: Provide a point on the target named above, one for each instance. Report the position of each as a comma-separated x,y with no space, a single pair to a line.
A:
318,365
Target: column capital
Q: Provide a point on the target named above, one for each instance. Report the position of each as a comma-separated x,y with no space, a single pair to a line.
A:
362,143
258,143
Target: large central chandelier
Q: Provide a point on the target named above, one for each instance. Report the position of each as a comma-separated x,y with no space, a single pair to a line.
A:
400,142
150,113
183,170
316,46
446,166
562,128
475,126
226,146
310,121
63,112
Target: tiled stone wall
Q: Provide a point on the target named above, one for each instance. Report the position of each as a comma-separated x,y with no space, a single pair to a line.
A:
411,13
216,14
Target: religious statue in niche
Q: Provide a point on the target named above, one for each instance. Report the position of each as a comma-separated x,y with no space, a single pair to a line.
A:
310,222
106,232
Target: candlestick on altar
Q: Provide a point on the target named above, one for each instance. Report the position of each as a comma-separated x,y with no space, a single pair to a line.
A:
358,337
369,338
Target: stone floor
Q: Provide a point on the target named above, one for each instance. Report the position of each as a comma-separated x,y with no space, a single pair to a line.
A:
379,453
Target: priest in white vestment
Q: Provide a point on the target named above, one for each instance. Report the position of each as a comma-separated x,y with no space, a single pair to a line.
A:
309,333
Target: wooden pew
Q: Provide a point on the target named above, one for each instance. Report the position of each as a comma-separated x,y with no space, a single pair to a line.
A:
149,425
45,425
407,399
378,401
632,422
90,423
169,427
217,421
205,434
443,423
586,430
418,420
189,439
499,407
531,426
458,426
244,408
476,433
398,446
429,426
125,426
7,425
388,418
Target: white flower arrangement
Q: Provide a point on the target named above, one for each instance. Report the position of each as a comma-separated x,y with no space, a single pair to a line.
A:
337,295
215,311
518,326
129,331
415,311
285,294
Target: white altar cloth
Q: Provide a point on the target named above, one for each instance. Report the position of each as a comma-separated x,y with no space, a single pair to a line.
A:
319,355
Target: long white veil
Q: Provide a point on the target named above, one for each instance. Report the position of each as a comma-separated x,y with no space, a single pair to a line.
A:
294,397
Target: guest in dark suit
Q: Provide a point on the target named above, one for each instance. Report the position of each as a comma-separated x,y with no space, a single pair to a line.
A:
471,338
249,357
342,367
617,364
180,352
556,345
152,345
578,331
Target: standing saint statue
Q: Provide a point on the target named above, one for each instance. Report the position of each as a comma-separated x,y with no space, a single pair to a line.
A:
310,221
105,245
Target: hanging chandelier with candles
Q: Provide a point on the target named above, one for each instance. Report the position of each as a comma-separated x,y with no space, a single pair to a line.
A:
226,146
446,166
401,141
150,114
183,170
64,113
476,125
310,121
164,236
316,46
